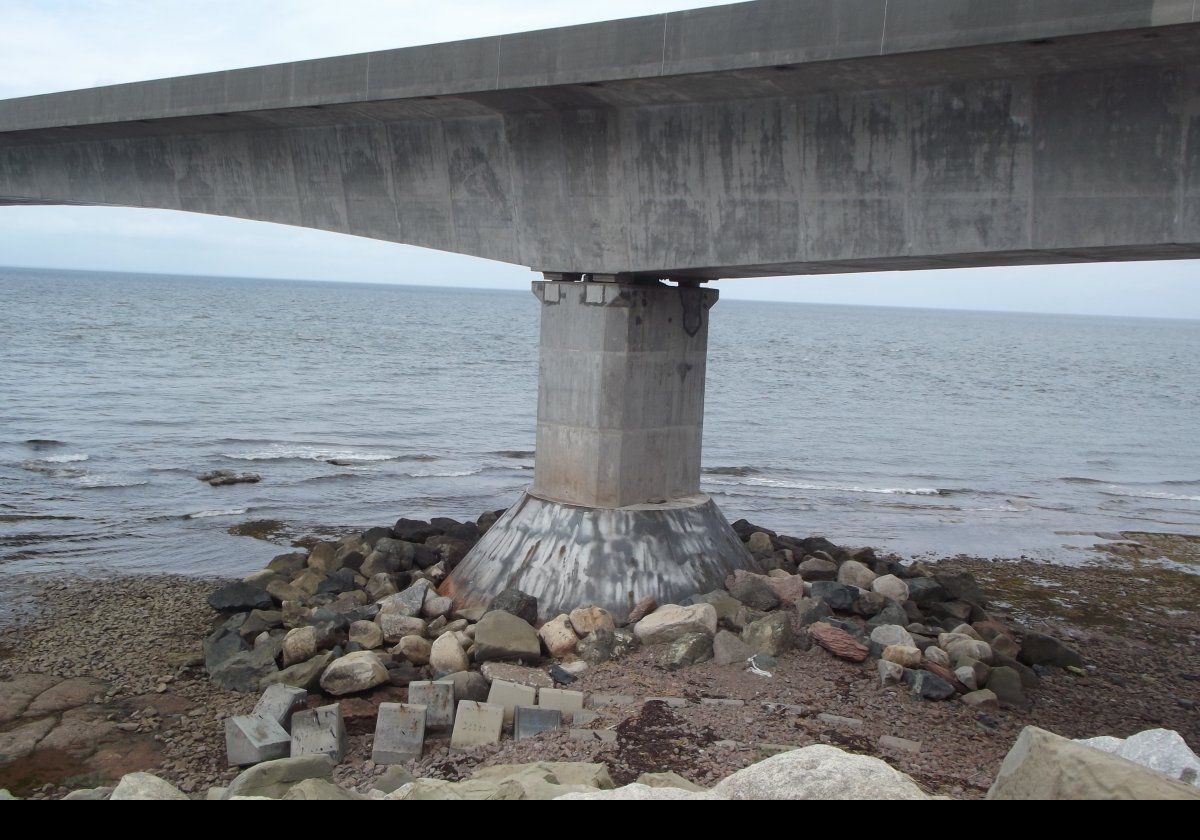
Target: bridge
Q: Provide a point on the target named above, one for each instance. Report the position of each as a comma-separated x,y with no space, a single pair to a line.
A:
630,161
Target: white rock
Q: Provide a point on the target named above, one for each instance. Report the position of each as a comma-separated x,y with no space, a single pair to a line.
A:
671,621
819,772
635,791
558,636
937,656
354,672
890,586
447,656
1163,750
892,634
854,573
144,787
966,676
968,648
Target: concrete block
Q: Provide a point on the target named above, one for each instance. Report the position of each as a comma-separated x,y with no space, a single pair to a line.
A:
250,739
438,699
279,702
509,695
529,721
604,701
399,733
584,717
320,731
566,701
476,725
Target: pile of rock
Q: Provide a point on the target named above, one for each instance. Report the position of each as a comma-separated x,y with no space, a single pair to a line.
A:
363,612
221,478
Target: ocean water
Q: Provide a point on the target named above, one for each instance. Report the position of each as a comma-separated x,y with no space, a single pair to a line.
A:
922,432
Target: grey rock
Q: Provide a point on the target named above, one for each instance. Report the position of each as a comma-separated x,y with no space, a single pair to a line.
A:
245,671
273,779
240,597
518,603
811,610
754,592
305,675
145,787
771,635
501,635
729,649
925,591
928,686
689,649
817,568
838,596
353,673
1040,649
1005,683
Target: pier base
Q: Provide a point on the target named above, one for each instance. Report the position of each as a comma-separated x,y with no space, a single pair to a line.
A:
615,512
568,556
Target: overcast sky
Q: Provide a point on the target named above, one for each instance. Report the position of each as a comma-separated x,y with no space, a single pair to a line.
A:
51,45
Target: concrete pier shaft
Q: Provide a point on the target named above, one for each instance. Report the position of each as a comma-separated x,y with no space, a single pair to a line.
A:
615,512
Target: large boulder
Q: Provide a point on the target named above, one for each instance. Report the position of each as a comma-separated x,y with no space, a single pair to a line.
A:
240,597
246,670
838,596
559,637
145,787
273,779
585,620
446,656
671,621
729,649
1163,750
892,587
854,573
515,602
500,635
1042,765
1040,649
771,635
755,592
354,673
819,772
689,649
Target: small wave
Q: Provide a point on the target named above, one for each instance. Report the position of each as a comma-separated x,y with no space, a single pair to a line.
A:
798,485
737,471
43,443
1130,494
52,470
205,514
103,481
63,459
1074,479
519,454
448,474
281,452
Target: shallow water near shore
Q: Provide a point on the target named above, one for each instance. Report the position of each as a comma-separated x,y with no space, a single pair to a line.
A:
916,431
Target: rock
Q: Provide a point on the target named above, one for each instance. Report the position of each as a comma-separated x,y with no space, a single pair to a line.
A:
416,649
642,609
245,671
1042,765
501,635
689,649
322,558
380,586
671,621
144,787
353,673
414,530
1040,649
838,642
817,568
468,685
587,620
306,675
446,656
928,686
366,633
1005,683
788,588
635,792
1163,750
755,592
937,656
760,543
223,478
726,605
20,741
729,649
240,597
395,625
819,772
319,790
392,779
869,603
273,779
668,780
890,673
982,699
854,573
966,675
961,586
771,635
810,610
437,606
410,601
838,596
892,587
903,655
519,674
99,794
518,603
968,648
301,645
892,634
924,591
559,637
1003,645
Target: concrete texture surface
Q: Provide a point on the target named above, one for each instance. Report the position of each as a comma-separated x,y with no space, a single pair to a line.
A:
771,137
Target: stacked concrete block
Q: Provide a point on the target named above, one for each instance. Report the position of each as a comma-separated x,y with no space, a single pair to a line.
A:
438,699
320,731
509,695
251,739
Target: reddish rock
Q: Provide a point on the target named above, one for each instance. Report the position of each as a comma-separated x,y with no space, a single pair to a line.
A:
838,642
642,609
789,590
946,674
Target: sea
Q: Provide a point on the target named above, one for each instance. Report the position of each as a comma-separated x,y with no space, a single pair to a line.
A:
928,433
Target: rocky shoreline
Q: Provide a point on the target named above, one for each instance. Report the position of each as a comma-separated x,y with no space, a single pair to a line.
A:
107,677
